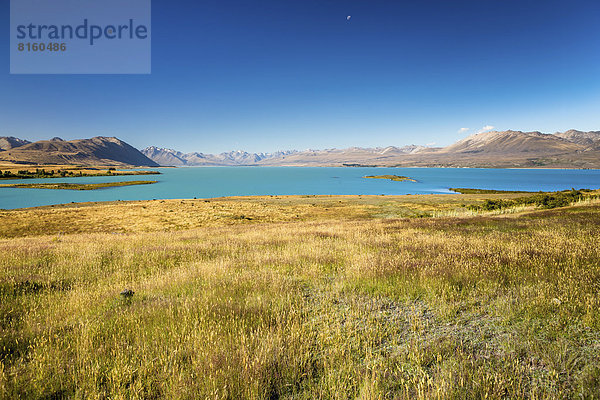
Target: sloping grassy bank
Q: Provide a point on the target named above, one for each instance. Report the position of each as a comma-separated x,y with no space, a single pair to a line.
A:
451,308
74,186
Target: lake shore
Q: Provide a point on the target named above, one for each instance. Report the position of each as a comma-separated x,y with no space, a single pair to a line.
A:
178,214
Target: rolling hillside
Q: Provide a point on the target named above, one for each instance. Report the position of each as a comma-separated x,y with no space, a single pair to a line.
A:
10,142
589,139
88,152
512,143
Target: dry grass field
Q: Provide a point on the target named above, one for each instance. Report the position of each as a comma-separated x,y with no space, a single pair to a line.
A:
171,215
300,298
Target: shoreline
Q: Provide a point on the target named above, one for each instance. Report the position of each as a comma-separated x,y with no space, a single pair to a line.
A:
479,194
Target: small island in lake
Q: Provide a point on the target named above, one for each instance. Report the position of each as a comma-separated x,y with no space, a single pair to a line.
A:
397,178
74,186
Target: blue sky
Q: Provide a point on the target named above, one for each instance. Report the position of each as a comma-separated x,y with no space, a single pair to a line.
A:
270,75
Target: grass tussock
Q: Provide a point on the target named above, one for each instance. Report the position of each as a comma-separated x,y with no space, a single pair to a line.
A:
484,191
372,308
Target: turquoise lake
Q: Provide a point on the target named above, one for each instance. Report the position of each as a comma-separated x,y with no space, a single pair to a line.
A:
205,182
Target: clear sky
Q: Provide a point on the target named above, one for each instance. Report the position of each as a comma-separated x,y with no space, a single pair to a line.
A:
296,74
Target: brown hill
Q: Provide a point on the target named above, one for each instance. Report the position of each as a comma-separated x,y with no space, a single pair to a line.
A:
95,151
512,143
590,139
512,149
10,142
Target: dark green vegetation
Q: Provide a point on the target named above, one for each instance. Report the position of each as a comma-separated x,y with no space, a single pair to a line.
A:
541,200
62,173
484,191
398,178
75,186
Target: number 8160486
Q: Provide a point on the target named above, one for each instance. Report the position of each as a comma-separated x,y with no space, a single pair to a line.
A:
42,46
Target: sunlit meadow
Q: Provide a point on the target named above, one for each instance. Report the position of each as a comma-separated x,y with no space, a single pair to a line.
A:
377,307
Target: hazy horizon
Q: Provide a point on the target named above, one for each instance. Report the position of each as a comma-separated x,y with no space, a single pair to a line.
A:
428,145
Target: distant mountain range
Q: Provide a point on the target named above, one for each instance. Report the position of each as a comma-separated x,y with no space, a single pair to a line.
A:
571,149
507,149
87,152
177,158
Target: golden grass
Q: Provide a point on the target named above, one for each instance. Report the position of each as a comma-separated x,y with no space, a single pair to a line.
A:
158,215
309,306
